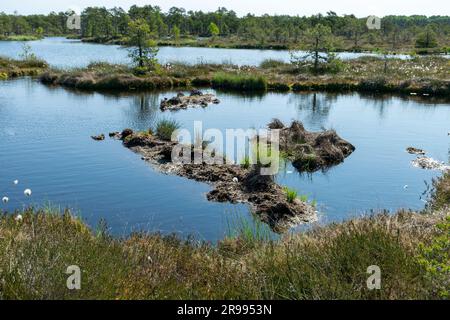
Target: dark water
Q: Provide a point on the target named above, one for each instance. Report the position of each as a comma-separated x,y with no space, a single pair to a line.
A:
64,53
45,143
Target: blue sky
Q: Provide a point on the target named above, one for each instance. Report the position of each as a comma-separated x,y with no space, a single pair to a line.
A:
361,8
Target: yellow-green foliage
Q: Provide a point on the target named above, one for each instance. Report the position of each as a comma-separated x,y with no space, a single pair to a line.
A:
441,193
436,259
291,194
242,82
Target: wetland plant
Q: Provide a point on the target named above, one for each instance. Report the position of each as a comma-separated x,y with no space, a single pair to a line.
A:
165,128
242,82
246,162
291,194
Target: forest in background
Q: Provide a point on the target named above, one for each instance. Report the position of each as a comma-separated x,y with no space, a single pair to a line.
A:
225,28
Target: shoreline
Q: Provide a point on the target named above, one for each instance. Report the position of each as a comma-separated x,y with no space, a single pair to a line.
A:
133,84
423,52
238,44
11,68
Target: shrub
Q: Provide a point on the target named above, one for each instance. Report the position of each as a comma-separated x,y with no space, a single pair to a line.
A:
334,65
435,258
441,193
271,64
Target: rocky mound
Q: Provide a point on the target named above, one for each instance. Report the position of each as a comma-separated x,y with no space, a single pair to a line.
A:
412,150
430,164
311,151
232,183
181,101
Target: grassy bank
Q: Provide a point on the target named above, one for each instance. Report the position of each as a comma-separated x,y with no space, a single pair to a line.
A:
20,38
426,75
411,249
10,68
239,82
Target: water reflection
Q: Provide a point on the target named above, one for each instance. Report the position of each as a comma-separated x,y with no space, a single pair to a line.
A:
66,53
146,107
313,108
45,142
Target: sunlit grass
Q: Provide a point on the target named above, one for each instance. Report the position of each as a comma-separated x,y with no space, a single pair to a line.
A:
165,128
242,82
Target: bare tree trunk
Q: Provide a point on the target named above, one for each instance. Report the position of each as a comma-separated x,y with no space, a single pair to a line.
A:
316,56
141,53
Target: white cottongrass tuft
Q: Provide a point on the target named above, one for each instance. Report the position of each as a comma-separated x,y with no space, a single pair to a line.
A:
18,217
27,192
5,199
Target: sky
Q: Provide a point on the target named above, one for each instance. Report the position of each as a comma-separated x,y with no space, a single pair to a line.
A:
361,8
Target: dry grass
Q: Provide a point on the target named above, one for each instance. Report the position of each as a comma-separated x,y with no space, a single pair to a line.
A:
10,68
424,75
326,263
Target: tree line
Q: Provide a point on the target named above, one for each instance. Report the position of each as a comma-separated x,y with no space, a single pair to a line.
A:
100,22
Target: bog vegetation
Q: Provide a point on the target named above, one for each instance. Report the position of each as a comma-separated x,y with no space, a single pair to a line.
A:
412,250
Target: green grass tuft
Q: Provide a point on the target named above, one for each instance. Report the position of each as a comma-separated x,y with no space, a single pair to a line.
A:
246,162
242,82
291,194
165,128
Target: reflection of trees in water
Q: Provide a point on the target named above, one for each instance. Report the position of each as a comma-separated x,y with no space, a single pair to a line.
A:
315,106
145,108
382,101
244,96
377,101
